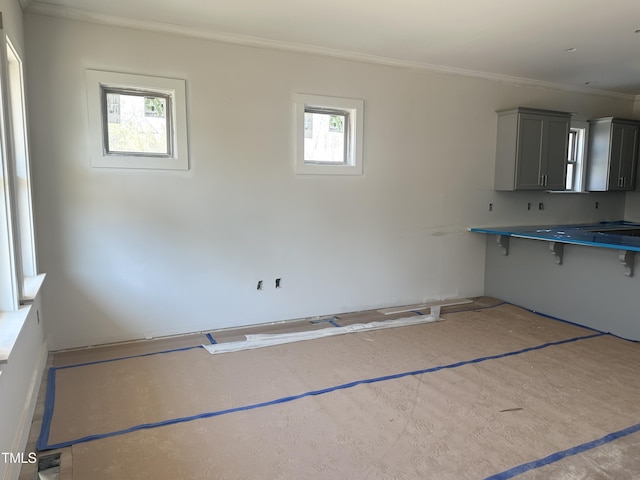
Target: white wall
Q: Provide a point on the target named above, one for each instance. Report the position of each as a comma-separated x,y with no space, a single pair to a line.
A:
135,254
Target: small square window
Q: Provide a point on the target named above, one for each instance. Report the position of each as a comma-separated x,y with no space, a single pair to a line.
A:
137,121
326,136
329,135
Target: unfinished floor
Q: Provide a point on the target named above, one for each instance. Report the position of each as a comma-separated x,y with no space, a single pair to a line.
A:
493,391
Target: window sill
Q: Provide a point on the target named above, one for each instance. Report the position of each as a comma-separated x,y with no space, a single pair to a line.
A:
11,323
31,287
566,192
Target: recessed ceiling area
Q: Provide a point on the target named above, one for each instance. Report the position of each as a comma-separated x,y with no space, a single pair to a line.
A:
577,43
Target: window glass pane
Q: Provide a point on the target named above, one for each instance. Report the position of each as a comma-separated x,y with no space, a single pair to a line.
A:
21,158
570,170
324,138
572,146
136,124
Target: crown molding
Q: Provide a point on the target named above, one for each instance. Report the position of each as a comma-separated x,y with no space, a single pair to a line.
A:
48,9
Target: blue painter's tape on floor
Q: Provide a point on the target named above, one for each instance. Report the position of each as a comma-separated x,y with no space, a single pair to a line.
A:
42,444
49,400
476,309
211,339
334,323
331,321
130,356
564,454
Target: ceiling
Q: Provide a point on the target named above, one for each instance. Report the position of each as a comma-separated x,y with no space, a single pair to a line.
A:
592,44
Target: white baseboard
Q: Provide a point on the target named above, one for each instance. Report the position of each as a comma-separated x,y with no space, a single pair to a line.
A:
22,435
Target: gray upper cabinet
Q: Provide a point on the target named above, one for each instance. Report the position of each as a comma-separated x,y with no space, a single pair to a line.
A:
531,150
613,154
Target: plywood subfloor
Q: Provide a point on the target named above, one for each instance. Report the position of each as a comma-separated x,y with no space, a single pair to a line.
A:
489,390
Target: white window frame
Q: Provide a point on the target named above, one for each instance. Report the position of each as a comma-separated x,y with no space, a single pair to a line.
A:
354,131
20,151
97,80
11,276
581,130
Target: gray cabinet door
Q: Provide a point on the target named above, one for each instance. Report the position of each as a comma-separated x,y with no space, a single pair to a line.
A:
555,169
530,152
542,152
613,154
624,145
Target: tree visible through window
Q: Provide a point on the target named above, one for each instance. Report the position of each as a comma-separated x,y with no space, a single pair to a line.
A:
136,123
325,136
329,135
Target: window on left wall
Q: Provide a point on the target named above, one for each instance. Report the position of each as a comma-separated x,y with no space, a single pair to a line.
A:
17,239
137,121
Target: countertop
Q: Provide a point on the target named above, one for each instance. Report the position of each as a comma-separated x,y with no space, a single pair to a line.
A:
619,235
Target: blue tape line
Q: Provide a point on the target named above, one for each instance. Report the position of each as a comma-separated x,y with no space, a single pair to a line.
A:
546,316
126,358
572,323
211,339
315,392
576,324
525,467
331,321
49,401
475,309
558,319
416,312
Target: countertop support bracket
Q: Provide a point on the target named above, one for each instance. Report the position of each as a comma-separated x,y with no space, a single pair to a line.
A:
557,249
627,259
503,243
